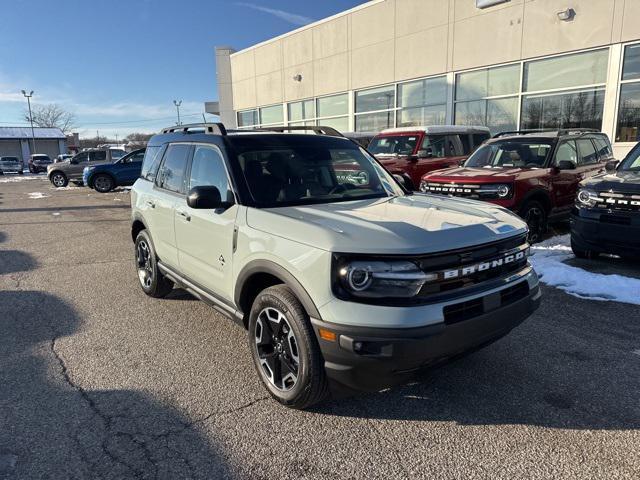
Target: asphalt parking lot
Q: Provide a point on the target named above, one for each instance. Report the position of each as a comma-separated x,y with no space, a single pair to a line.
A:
99,381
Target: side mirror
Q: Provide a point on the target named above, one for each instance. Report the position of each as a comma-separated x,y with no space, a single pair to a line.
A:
401,180
426,153
206,197
611,165
566,165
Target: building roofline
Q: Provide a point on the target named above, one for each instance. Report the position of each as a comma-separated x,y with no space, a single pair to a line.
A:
362,6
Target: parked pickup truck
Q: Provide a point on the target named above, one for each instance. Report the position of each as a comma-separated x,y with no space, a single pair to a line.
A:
338,282
535,174
415,151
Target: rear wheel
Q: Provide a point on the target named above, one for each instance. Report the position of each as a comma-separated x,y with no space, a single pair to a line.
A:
103,183
534,213
284,349
59,179
152,281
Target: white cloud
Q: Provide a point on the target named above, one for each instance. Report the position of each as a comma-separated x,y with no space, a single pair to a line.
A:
289,17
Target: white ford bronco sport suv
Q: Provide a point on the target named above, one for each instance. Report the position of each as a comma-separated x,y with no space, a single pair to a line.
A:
341,276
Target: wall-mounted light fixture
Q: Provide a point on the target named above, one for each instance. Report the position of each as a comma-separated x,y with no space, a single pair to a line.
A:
567,15
297,78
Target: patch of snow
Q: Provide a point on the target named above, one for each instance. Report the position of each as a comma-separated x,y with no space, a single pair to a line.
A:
55,214
36,195
548,258
64,188
117,199
21,178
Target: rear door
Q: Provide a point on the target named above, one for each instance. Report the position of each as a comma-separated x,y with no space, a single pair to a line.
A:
168,191
205,237
589,163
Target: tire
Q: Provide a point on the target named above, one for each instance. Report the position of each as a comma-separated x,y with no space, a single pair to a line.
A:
59,179
534,213
103,183
580,253
21,172
31,169
152,282
1,173
277,314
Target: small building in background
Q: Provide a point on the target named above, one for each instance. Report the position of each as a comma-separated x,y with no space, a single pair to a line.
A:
19,142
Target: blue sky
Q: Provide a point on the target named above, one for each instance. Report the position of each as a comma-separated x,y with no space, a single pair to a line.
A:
118,64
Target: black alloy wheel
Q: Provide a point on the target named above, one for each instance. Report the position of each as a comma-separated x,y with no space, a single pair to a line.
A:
152,281
536,217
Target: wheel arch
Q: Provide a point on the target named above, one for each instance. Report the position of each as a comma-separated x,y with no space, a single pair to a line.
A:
260,274
137,226
539,195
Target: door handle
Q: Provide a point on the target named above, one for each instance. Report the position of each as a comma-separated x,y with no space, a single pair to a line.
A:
151,204
184,215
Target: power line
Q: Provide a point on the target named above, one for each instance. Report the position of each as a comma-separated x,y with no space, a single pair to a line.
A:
123,122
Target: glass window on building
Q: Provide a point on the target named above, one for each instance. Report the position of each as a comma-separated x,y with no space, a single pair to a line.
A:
301,110
248,118
567,71
374,122
341,123
383,98
576,109
333,106
628,125
423,102
271,115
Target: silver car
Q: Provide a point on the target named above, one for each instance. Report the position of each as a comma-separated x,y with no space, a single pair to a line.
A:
10,164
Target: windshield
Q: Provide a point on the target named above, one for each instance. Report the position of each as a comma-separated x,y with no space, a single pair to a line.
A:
518,154
394,145
9,159
297,170
42,158
632,161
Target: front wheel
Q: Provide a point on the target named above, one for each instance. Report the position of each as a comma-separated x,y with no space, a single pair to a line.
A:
103,183
535,215
152,281
581,253
59,179
284,349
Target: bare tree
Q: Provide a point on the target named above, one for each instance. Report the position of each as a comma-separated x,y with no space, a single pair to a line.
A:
138,137
52,115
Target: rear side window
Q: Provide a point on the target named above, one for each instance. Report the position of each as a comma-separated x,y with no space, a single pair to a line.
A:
171,175
150,163
588,153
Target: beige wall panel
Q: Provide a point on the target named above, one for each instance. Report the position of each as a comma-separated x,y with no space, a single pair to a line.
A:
415,15
331,38
423,53
298,48
243,65
488,39
268,58
373,65
467,8
331,74
631,21
269,88
244,94
298,90
545,33
373,24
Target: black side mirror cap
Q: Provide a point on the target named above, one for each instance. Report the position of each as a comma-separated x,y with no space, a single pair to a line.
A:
206,198
566,165
611,165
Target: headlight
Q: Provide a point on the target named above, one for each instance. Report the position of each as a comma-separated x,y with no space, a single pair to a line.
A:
495,190
587,198
375,279
88,169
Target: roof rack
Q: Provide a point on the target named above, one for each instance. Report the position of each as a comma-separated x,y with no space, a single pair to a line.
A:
558,131
318,130
207,128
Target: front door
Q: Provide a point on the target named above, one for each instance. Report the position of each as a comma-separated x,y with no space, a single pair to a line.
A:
205,237
130,169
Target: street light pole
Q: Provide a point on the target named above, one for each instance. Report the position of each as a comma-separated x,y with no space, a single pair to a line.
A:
177,103
33,135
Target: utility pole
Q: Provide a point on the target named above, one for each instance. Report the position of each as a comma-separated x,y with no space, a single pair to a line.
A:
177,103
33,135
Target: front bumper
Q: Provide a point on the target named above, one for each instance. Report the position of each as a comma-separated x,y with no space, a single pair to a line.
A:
17,167
373,358
37,168
606,231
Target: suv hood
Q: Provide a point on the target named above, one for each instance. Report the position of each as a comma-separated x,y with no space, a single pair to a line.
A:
413,224
483,175
620,181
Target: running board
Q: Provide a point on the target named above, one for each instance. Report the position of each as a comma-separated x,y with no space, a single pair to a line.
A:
202,294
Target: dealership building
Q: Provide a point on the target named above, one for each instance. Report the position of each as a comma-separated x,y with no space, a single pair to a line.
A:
507,64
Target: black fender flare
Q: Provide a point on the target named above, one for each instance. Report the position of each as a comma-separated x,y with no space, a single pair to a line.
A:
138,218
536,192
272,268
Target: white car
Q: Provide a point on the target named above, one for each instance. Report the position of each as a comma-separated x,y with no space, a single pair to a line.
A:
10,164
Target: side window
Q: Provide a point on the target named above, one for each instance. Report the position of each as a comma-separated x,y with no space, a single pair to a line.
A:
603,146
479,138
81,157
98,156
171,175
138,157
588,153
436,143
208,169
150,163
567,152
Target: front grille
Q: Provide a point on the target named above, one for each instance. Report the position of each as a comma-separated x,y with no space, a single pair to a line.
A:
619,201
615,219
458,190
470,267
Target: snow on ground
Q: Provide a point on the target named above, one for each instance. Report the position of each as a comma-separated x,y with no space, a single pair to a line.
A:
21,178
548,258
36,195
